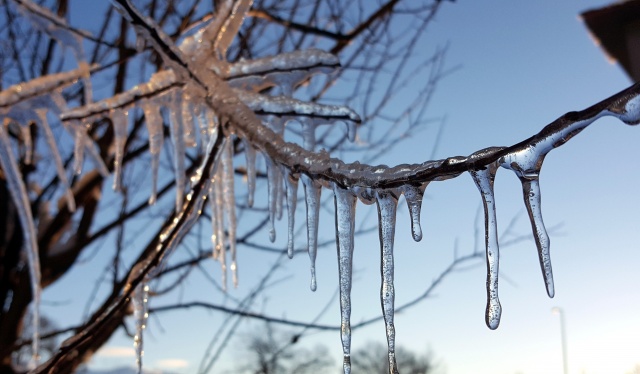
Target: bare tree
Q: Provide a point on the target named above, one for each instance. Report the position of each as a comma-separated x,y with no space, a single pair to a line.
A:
372,358
237,80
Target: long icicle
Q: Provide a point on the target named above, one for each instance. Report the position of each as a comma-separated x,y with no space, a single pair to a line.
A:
20,198
387,206
155,128
230,204
345,206
140,314
291,183
177,138
531,194
312,191
484,181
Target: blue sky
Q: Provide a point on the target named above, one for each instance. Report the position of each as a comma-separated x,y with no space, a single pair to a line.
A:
521,65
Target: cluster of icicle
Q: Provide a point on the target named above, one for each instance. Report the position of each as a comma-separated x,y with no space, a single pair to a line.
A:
258,120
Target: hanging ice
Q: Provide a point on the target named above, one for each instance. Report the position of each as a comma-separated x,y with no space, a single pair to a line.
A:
312,190
177,137
216,199
155,128
20,198
345,206
387,206
119,120
273,174
229,204
413,195
527,163
484,181
140,314
250,154
291,183
187,119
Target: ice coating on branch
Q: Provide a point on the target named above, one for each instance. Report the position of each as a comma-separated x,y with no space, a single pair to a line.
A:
57,160
158,86
284,62
387,205
37,87
345,206
282,105
229,203
179,151
155,128
120,121
312,190
273,175
140,313
20,198
527,163
291,183
413,195
250,154
231,26
484,181
25,132
57,28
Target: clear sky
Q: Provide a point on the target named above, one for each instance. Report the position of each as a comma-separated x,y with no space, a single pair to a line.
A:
521,65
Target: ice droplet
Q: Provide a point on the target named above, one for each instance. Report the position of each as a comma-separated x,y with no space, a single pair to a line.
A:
484,181
345,207
312,191
387,206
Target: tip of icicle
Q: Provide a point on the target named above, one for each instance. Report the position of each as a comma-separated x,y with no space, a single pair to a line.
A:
551,291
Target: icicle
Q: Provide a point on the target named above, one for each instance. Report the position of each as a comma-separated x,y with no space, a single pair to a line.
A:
273,173
526,164
155,128
57,160
230,204
413,195
291,183
387,206
187,120
345,206
312,191
20,198
308,134
484,180
140,313
203,126
217,218
531,194
177,137
119,120
250,154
